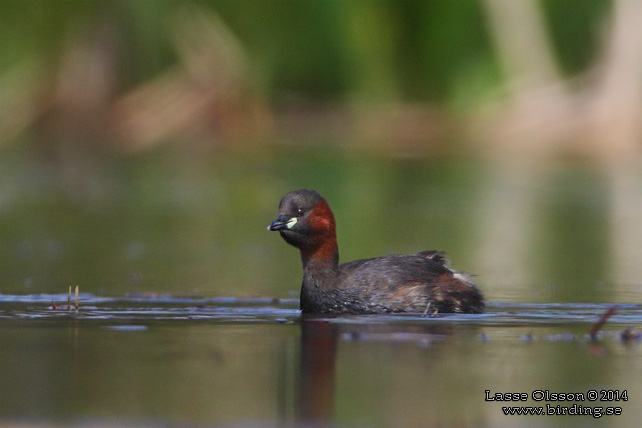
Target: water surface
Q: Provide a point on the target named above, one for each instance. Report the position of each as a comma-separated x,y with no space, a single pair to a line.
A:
180,222
554,246
163,359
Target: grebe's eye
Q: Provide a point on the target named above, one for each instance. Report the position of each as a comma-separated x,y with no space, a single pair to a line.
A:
300,212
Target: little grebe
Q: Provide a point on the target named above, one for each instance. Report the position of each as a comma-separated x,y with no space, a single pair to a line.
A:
394,283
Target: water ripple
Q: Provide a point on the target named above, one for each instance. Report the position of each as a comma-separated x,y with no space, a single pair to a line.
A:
233,309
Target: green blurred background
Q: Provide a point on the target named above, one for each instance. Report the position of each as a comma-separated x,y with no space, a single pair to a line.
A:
144,145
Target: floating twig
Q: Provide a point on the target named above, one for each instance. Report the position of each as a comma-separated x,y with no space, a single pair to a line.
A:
76,301
595,328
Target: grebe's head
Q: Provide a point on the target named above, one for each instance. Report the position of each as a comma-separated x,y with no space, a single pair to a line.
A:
305,219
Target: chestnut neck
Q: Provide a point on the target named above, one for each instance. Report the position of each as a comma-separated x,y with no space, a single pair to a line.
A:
323,256
321,250
320,273
320,257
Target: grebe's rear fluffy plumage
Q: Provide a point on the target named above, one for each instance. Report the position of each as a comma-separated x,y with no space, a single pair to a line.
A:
396,283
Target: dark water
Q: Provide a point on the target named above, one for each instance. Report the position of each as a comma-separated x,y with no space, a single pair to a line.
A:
165,360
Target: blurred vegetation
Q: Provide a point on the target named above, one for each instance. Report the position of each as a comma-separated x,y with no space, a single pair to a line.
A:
134,74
